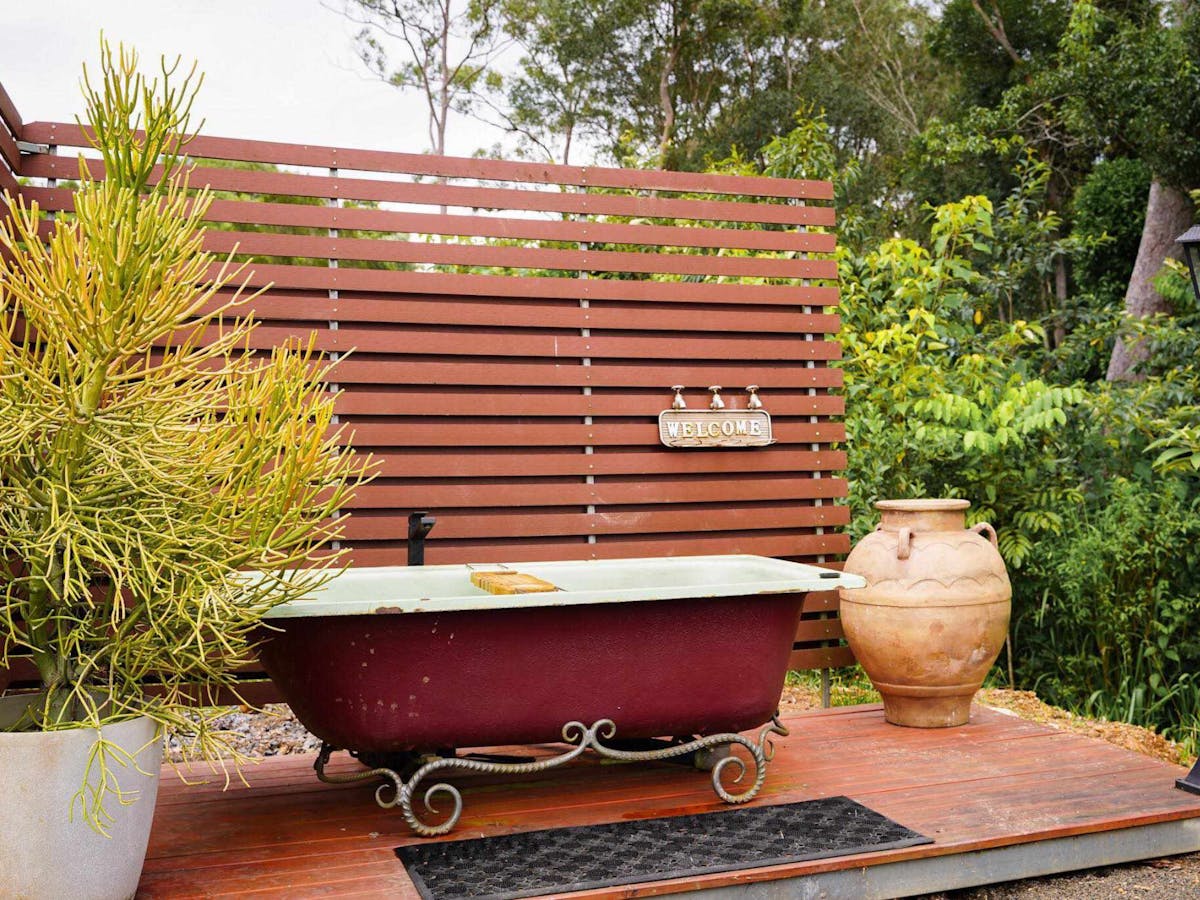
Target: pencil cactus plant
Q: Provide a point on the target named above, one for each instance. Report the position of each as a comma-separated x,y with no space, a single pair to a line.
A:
149,457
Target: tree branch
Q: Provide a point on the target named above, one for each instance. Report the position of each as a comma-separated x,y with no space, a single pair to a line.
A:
995,27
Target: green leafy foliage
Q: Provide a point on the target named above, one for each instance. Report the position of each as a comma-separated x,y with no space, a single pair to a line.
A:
1117,629
966,37
1094,488
940,400
1110,203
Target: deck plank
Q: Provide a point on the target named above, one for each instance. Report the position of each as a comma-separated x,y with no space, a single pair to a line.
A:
998,782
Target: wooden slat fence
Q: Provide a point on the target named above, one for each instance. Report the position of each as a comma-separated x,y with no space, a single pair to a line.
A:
10,154
513,330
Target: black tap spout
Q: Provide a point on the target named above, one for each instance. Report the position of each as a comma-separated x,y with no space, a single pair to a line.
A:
419,525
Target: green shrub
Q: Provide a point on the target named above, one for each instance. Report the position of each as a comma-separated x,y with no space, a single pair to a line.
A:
1111,203
940,401
1114,626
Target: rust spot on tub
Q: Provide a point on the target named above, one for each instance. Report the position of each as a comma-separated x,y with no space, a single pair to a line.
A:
387,610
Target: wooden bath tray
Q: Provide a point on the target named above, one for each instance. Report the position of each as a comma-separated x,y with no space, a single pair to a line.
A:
511,583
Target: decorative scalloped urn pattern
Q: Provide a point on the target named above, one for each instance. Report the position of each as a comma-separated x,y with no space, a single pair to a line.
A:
931,620
940,564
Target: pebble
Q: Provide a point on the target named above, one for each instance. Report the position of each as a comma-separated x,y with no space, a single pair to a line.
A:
272,732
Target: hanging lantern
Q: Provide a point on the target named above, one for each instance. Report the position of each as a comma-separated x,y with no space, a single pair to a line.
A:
1190,240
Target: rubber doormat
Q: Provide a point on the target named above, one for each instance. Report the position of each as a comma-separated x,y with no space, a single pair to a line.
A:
575,859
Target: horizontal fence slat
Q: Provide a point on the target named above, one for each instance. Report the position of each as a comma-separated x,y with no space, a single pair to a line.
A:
358,370
454,493
348,218
11,130
491,255
810,630
466,167
821,658
440,402
822,601
8,181
537,434
549,346
12,118
480,524
516,313
528,286
493,464
284,306
527,549
479,342
10,161
433,194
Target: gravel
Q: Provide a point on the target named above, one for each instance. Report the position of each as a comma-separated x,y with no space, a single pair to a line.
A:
272,732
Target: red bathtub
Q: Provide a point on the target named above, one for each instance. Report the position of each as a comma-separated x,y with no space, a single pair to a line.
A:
411,659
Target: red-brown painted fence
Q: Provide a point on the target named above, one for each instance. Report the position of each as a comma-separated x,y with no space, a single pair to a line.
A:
513,330
10,154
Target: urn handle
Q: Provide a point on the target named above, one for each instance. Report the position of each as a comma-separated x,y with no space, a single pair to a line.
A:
985,529
904,543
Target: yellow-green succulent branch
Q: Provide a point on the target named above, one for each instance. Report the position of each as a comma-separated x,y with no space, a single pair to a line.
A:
153,453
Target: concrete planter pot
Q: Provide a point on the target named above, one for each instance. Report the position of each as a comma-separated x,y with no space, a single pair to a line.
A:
48,851
934,614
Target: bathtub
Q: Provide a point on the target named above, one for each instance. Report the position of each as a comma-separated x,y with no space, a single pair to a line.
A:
396,661
399,658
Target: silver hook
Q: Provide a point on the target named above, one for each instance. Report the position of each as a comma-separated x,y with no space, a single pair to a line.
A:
753,402
678,403
717,402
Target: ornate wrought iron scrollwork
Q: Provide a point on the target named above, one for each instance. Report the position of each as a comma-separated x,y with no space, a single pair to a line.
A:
397,792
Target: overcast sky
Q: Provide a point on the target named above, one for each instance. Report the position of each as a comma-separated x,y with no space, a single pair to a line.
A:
279,70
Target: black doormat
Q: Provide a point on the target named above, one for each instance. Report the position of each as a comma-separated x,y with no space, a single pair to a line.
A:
575,859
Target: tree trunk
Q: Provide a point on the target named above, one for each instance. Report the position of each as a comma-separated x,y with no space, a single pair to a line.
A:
1168,215
667,103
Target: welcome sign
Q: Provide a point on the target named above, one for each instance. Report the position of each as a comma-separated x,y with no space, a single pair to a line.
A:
690,429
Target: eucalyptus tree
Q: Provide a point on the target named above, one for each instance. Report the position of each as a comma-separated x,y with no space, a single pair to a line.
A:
446,48
682,63
995,44
684,82
566,78
649,81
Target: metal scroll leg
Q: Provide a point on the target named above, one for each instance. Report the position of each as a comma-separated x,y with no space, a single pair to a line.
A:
395,782
397,791
712,750
1191,781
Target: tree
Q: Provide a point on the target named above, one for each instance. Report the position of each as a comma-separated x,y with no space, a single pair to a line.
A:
660,74
448,46
680,60
1137,90
562,88
995,44
1117,85
880,45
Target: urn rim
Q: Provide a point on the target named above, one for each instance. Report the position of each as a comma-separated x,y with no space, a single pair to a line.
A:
925,504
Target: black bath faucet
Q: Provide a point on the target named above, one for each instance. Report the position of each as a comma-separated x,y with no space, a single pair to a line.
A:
419,525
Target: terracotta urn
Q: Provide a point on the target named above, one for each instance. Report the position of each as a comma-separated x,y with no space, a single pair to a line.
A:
934,614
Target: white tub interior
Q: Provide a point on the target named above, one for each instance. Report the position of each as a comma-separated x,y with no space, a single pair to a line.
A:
404,589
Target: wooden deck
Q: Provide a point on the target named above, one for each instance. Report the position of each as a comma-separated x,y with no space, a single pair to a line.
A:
1001,797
